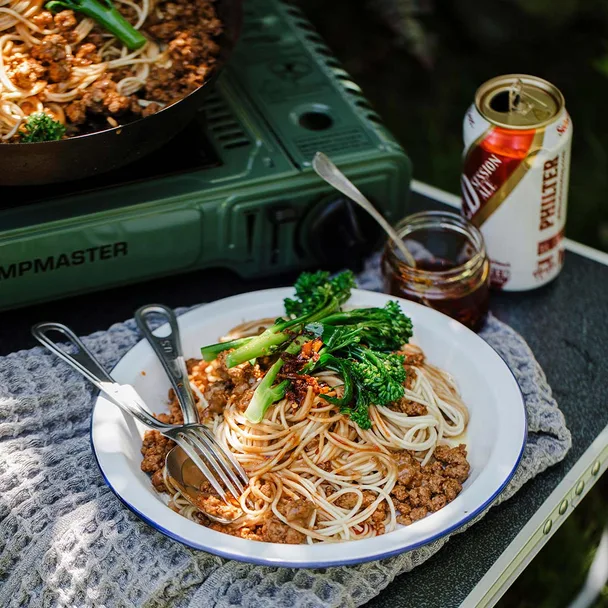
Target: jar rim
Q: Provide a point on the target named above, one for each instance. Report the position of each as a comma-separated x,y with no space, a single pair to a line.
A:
433,220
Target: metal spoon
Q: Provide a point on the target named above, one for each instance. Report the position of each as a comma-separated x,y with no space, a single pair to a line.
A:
189,480
184,474
326,170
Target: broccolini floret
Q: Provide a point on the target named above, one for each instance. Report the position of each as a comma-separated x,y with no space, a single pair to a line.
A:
380,375
359,412
385,328
371,376
314,288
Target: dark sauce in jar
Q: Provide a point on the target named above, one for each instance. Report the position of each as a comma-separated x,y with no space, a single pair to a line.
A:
452,269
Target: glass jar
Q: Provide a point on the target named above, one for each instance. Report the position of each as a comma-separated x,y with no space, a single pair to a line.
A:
452,272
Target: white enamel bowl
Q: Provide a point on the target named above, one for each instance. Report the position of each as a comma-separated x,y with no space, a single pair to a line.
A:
496,432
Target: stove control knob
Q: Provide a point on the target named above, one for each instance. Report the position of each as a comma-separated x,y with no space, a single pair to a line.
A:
337,233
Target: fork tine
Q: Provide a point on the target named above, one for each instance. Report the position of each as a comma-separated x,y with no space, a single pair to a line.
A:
210,455
221,456
228,454
184,442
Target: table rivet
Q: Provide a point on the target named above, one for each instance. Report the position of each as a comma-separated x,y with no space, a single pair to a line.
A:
563,507
580,486
596,468
548,527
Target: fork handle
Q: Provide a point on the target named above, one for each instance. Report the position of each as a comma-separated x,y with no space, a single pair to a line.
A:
168,350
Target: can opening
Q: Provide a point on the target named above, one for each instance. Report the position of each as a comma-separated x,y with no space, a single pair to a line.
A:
500,102
515,99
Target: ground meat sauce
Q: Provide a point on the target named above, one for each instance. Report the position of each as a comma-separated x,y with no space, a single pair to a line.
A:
419,490
272,529
186,30
155,447
411,408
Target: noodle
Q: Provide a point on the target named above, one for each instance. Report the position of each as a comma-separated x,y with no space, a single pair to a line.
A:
340,478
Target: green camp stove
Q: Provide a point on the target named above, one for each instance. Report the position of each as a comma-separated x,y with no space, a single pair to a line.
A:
234,190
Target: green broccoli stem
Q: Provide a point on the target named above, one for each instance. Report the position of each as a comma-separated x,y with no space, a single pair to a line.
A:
265,344
213,350
269,341
364,323
265,394
106,15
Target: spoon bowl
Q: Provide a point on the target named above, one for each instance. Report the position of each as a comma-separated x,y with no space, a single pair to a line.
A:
189,480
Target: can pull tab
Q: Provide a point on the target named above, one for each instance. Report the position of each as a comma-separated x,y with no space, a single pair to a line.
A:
523,102
515,93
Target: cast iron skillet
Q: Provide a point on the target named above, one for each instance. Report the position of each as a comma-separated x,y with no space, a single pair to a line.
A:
85,155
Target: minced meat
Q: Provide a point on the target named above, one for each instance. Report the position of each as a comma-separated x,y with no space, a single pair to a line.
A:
422,490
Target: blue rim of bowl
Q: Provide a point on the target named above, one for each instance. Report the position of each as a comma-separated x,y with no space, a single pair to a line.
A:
330,563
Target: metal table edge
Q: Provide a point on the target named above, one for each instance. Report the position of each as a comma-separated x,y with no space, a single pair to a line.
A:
543,524
564,498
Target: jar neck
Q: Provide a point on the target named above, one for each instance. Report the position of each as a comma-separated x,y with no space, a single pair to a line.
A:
476,265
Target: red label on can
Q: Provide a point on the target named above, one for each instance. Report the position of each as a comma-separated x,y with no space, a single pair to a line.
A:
492,168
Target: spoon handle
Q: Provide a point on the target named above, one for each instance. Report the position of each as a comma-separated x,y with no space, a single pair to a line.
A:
84,362
328,171
80,359
169,352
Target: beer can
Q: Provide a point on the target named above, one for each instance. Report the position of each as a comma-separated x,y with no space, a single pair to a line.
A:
517,139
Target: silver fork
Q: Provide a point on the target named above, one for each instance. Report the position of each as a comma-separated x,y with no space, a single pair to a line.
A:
167,348
197,442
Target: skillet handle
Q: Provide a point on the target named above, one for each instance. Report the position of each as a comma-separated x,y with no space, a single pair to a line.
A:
169,351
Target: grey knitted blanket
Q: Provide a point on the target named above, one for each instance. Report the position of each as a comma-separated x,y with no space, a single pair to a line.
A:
66,540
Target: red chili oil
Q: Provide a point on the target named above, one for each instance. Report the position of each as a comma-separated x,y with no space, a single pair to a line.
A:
452,270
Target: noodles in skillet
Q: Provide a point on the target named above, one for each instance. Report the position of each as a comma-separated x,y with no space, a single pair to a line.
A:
315,474
67,66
